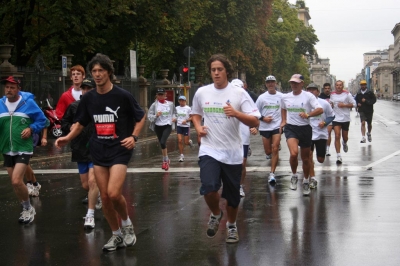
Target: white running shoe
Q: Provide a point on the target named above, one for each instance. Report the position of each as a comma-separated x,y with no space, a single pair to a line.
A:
242,191
89,222
181,158
369,137
113,243
327,153
30,188
191,144
363,140
293,182
27,215
339,160
313,183
128,235
271,178
306,189
99,203
345,147
36,190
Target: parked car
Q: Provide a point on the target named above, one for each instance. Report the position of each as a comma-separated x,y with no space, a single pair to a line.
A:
396,97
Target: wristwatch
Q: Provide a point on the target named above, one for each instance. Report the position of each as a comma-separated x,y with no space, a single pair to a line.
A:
135,138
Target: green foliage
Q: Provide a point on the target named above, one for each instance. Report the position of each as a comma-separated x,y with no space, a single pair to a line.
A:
159,30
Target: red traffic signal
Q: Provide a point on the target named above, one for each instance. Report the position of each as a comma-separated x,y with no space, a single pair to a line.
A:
185,69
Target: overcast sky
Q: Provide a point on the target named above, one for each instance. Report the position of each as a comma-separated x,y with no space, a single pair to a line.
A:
346,29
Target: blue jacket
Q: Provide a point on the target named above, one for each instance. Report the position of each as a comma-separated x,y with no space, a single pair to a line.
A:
27,114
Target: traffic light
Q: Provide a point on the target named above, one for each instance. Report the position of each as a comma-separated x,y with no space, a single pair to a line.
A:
183,70
192,73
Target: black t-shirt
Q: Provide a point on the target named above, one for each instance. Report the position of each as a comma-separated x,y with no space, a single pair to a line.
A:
324,96
113,114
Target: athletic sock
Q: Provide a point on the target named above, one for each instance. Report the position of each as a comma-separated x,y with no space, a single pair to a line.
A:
118,232
126,222
90,213
26,204
216,216
228,224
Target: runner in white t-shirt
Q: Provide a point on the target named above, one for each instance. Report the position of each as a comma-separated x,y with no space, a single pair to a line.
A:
341,101
223,107
183,116
297,107
245,132
320,132
269,105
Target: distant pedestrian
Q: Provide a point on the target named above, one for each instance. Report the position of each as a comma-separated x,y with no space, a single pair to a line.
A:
320,133
183,114
365,100
163,114
341,102
224,107
81,155
326,95
20,117
297,107
118,120
269,105
73,93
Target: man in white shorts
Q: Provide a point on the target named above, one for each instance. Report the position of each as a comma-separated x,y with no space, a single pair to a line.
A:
269,105
297,107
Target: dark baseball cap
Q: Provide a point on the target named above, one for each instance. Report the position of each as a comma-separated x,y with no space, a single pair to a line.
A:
160,91
88,82
11,79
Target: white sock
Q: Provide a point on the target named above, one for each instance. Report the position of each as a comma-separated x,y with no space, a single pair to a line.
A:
313,178
338,155
90,213
216,216
182,155
228,224
126,222
305,181
118,232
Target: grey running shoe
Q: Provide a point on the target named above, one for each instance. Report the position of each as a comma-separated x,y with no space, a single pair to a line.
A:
306,189
339,160
27,215
191,144
268,157
99,203
345,147
129,235
369,137
313,183
232,235
89,222
293,182
249,152
363,140
114,243
213,225
271,178
242,191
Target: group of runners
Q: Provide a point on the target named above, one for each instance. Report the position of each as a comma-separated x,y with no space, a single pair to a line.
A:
104,123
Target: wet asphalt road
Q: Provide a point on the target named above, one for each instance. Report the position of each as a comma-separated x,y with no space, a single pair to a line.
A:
352,218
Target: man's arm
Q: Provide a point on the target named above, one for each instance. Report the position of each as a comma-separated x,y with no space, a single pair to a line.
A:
76,130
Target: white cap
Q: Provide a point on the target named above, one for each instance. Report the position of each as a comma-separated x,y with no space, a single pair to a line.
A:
270,77
237,83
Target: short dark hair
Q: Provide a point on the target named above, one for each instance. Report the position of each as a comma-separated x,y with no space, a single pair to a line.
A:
104,61
327,84
224,60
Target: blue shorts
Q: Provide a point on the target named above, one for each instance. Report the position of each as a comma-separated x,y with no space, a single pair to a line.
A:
212,172
84,167
182,130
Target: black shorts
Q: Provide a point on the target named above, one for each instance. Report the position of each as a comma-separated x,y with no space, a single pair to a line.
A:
301,133
320,147
11,161
182,130
345,125
107,156
212,172
245,150
366,117
268,134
